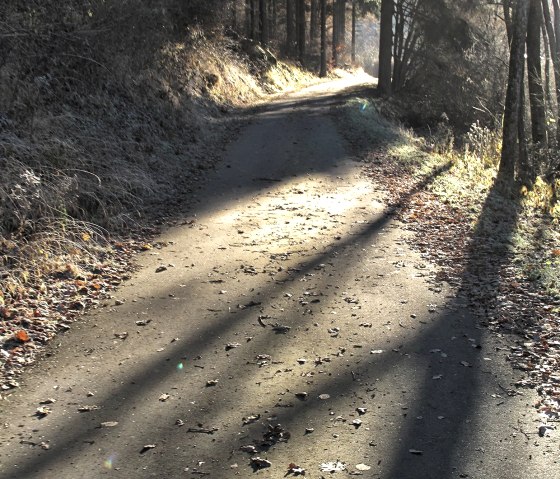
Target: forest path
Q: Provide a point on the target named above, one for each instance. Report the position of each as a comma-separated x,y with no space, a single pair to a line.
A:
292,300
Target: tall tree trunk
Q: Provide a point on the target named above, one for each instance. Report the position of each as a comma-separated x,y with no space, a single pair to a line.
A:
263,22
234,15
534,73
273,18
556,9
342,29
290,27
523,166
314,24
323,72
385,46
507,18
248,18
354,7
555,56
510,134
300,26
335,32
254,20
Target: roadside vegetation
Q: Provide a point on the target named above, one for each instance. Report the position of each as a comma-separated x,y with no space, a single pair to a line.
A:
110,116
500,249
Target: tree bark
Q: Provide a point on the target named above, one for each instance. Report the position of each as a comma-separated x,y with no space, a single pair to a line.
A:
507,19
335,32
248,18
323,72
342,31
300,26
385,46
534,73
510,134
290,27
354,8
273,18
555,57
263,22
253,20
314,24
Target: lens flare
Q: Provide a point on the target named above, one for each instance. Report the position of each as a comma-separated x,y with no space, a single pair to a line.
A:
108,463
180,367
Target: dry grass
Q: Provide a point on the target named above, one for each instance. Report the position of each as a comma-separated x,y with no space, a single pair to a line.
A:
111,111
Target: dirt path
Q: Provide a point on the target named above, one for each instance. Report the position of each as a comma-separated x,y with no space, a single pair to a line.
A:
292,300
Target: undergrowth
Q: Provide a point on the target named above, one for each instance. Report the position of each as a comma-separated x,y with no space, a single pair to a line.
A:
110,112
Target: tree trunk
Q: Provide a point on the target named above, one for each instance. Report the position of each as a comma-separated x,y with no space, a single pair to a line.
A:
507,19
234,15
555,56
342,29
263,22
354,7
335,32
523,166
314,25
300,26
290,27
254,20
556,8
534,73
385,46
273,18
323,72
510,134
248,18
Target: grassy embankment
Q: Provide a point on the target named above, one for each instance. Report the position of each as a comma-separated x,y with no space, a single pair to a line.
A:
108,118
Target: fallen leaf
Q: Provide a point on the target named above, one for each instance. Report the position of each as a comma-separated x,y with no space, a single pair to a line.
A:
376,351
465,363
295,470
22,336
87,408
211,382
159,269
416,452
363,467
143,322
361,410
164,397
248,448
333,466
42,412
146,448
259,463
109,424
324,396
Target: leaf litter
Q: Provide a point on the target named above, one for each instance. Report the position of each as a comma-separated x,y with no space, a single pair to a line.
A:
499,293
